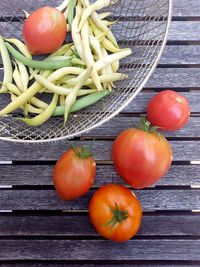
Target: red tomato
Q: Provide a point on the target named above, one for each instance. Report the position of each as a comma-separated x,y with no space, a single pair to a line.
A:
44,30
168,110
74,174
115,212
141,157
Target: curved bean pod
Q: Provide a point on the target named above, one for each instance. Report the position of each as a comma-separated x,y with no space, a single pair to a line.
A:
42,65
8,72
44,116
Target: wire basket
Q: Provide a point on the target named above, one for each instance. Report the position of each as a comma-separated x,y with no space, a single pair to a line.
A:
141,25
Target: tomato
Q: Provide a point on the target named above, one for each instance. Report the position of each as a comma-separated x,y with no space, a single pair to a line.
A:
44,30
168,110
115,212
141,156
74,173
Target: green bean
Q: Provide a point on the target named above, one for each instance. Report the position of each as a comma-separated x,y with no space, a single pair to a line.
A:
76,37
71,6
38,103
43,65
63,5
58,74
115,66
21,46
23,75
23,79
34,110
62,100
29,107
60,52
102,63
104,15
44,116
17,78
109,23
51,87
66,78
88,57
8,72
71,98
82,103
101,36
24,97
100,24
12,88
35,101
109,70
99,4
106,78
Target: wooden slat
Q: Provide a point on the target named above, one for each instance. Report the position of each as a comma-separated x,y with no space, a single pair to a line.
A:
139,104
79,225
179,30
98,250
48,200
173,55
181,8
167,77
42,175
119,124
183,151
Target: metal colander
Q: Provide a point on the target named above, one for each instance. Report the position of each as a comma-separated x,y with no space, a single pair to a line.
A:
141,25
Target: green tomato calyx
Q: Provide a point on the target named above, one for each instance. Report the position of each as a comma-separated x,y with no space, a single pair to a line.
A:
145,125
119,216
82,152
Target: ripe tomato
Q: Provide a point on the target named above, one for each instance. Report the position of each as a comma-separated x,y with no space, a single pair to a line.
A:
115,212
141,156
44,30
74,173
168,110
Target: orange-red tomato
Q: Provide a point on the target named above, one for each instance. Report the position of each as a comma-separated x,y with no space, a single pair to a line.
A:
115,212
74,174
168,110
44,30
141,157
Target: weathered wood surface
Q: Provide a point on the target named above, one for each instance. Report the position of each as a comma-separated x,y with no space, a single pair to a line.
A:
168,78
181,8
183,150
139,104
79,225
20,175
119,124
19,232
179,31
151,199
81,250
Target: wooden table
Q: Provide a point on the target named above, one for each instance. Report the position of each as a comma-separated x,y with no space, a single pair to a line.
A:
36,229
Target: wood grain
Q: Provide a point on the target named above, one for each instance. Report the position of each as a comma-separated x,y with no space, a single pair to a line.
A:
183,150
181,8
47,200
79,225
119,124
178,175
179,30
166,78
98,250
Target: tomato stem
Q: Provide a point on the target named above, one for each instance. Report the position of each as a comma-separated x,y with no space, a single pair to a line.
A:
82,152
119,216
145,125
